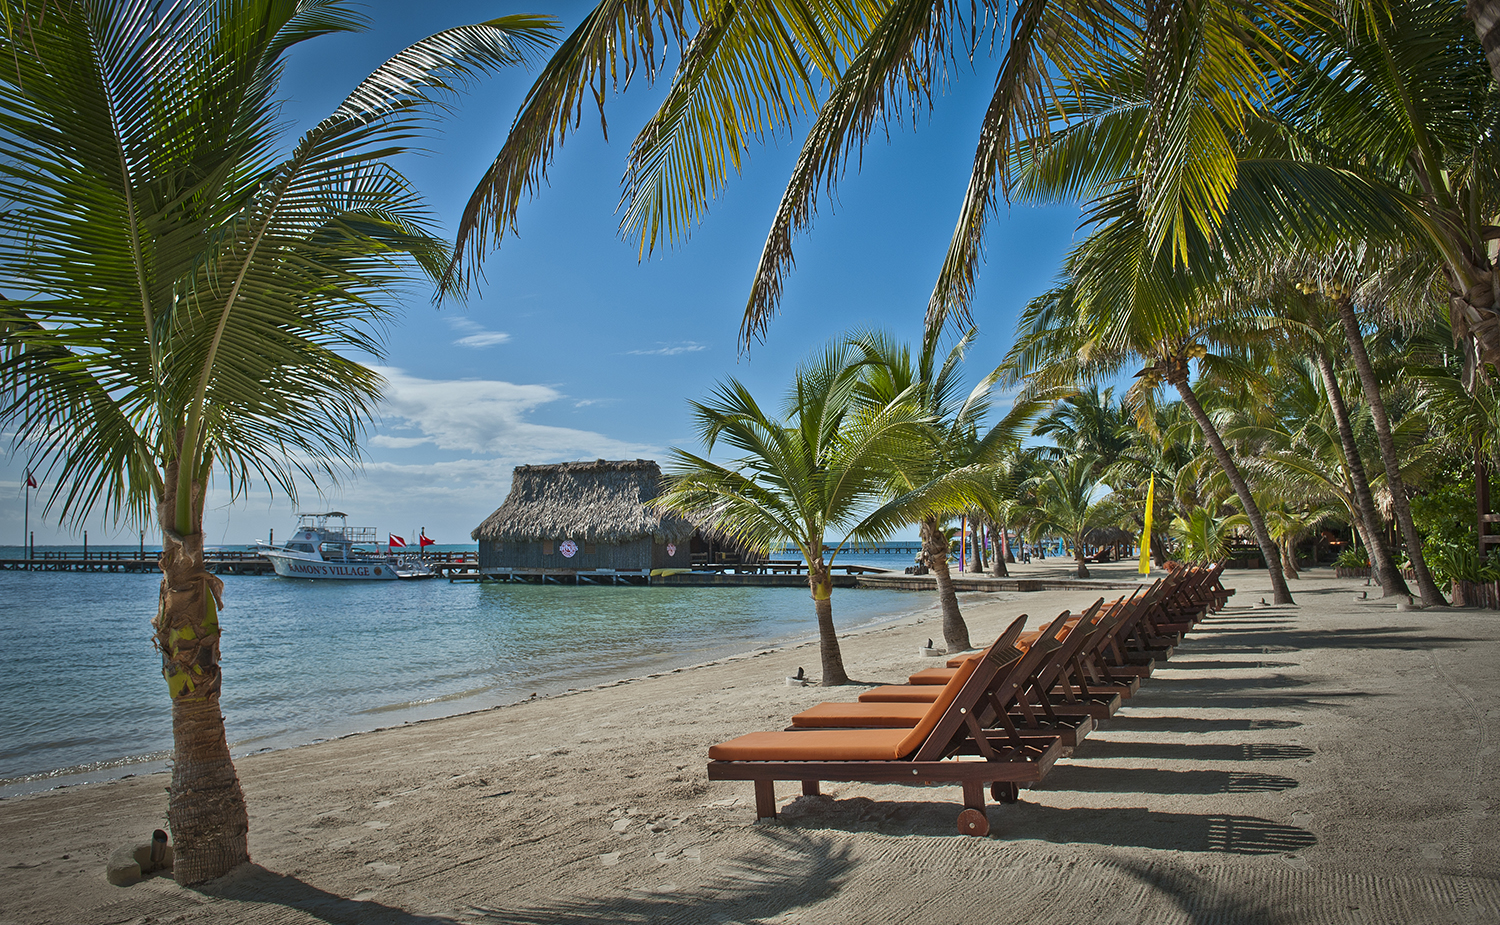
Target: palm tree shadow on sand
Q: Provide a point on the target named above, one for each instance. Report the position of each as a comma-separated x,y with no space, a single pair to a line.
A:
251,883
795,871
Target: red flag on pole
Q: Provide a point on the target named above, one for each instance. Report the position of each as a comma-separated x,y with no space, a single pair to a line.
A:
30,482
424,541
395,541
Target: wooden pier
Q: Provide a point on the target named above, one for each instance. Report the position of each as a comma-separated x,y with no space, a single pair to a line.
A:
219,562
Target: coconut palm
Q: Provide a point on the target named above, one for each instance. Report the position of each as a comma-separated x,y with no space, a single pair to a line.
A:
1204,537
958,449
817,469
1073,505
193,284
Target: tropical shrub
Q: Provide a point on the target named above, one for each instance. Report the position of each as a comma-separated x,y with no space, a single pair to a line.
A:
1353,557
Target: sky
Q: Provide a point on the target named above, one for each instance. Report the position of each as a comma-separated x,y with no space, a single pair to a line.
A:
571,347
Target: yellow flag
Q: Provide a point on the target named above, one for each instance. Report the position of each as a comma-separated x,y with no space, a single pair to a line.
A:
1145,567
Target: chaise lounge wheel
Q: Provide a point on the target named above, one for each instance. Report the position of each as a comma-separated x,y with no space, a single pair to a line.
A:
1006,791
973,822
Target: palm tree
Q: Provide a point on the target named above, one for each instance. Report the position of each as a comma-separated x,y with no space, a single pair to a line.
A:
817,469
1204,537
953,462
1073,506
194,285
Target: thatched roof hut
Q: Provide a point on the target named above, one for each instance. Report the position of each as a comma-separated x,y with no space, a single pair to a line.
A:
604,501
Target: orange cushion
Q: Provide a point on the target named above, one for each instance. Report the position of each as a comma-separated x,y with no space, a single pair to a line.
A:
827,745
900,715
932,676
843,744
901,693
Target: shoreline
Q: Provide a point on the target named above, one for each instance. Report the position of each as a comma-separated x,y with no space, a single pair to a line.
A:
1325,762
154,763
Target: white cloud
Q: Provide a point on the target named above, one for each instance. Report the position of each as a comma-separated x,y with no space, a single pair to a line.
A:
669,349
397,443
476,335
487,416
485,339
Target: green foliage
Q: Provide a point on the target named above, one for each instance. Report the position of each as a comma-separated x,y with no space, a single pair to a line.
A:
1204,537
1446,514
1353,557
1461,562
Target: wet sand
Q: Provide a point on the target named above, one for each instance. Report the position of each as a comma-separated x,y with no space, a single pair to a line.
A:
1328,762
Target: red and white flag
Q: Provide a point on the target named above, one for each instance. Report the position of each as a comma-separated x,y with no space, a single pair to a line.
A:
30,482
395,541
423,540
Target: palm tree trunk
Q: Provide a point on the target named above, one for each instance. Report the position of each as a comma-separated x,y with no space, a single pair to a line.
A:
1486,17
820,581
1391,582
1431,596
205,807
976,540
1289,556
1283,594
1001,546
935,548
1080,558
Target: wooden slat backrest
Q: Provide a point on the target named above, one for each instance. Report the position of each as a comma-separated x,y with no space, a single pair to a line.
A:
997,663
953,729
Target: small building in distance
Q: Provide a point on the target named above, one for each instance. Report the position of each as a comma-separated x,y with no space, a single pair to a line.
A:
583,521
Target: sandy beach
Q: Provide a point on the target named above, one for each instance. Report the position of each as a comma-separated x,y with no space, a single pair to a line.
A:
1328,762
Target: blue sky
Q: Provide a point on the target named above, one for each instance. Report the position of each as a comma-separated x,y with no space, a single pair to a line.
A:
572,348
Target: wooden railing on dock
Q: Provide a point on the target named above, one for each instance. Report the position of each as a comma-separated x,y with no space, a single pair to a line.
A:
220,562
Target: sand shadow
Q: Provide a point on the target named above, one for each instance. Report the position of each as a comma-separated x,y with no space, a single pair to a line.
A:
251,883
1195,895
1136,827
1087,779
1181,664
1128,827
1094,747
1258,641
794,871
1124,722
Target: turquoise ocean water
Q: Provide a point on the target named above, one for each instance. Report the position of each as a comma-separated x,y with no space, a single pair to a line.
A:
81,694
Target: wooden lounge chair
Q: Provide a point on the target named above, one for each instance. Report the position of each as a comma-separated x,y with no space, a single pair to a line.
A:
1007,704
948,745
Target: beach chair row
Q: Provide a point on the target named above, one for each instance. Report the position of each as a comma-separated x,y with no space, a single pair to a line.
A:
994,720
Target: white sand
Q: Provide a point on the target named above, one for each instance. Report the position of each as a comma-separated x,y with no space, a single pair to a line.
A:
1329,762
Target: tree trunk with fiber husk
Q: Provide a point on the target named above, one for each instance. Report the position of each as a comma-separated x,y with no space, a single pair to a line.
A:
1177,376
205,808
1080,558
820,581
935,548
1486,17
1001,544
1289,557
976,541
1426,587
1391,582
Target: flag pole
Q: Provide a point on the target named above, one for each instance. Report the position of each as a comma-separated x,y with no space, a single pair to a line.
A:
26,529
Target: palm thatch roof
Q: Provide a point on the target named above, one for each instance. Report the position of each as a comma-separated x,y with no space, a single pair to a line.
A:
1109,536
604,501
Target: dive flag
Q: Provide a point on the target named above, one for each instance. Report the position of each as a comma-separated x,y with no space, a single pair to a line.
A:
396,541
1145,567
424,541
30,482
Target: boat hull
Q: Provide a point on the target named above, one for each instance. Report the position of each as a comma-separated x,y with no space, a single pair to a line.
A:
289,567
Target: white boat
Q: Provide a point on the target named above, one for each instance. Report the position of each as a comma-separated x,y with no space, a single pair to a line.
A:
326,547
